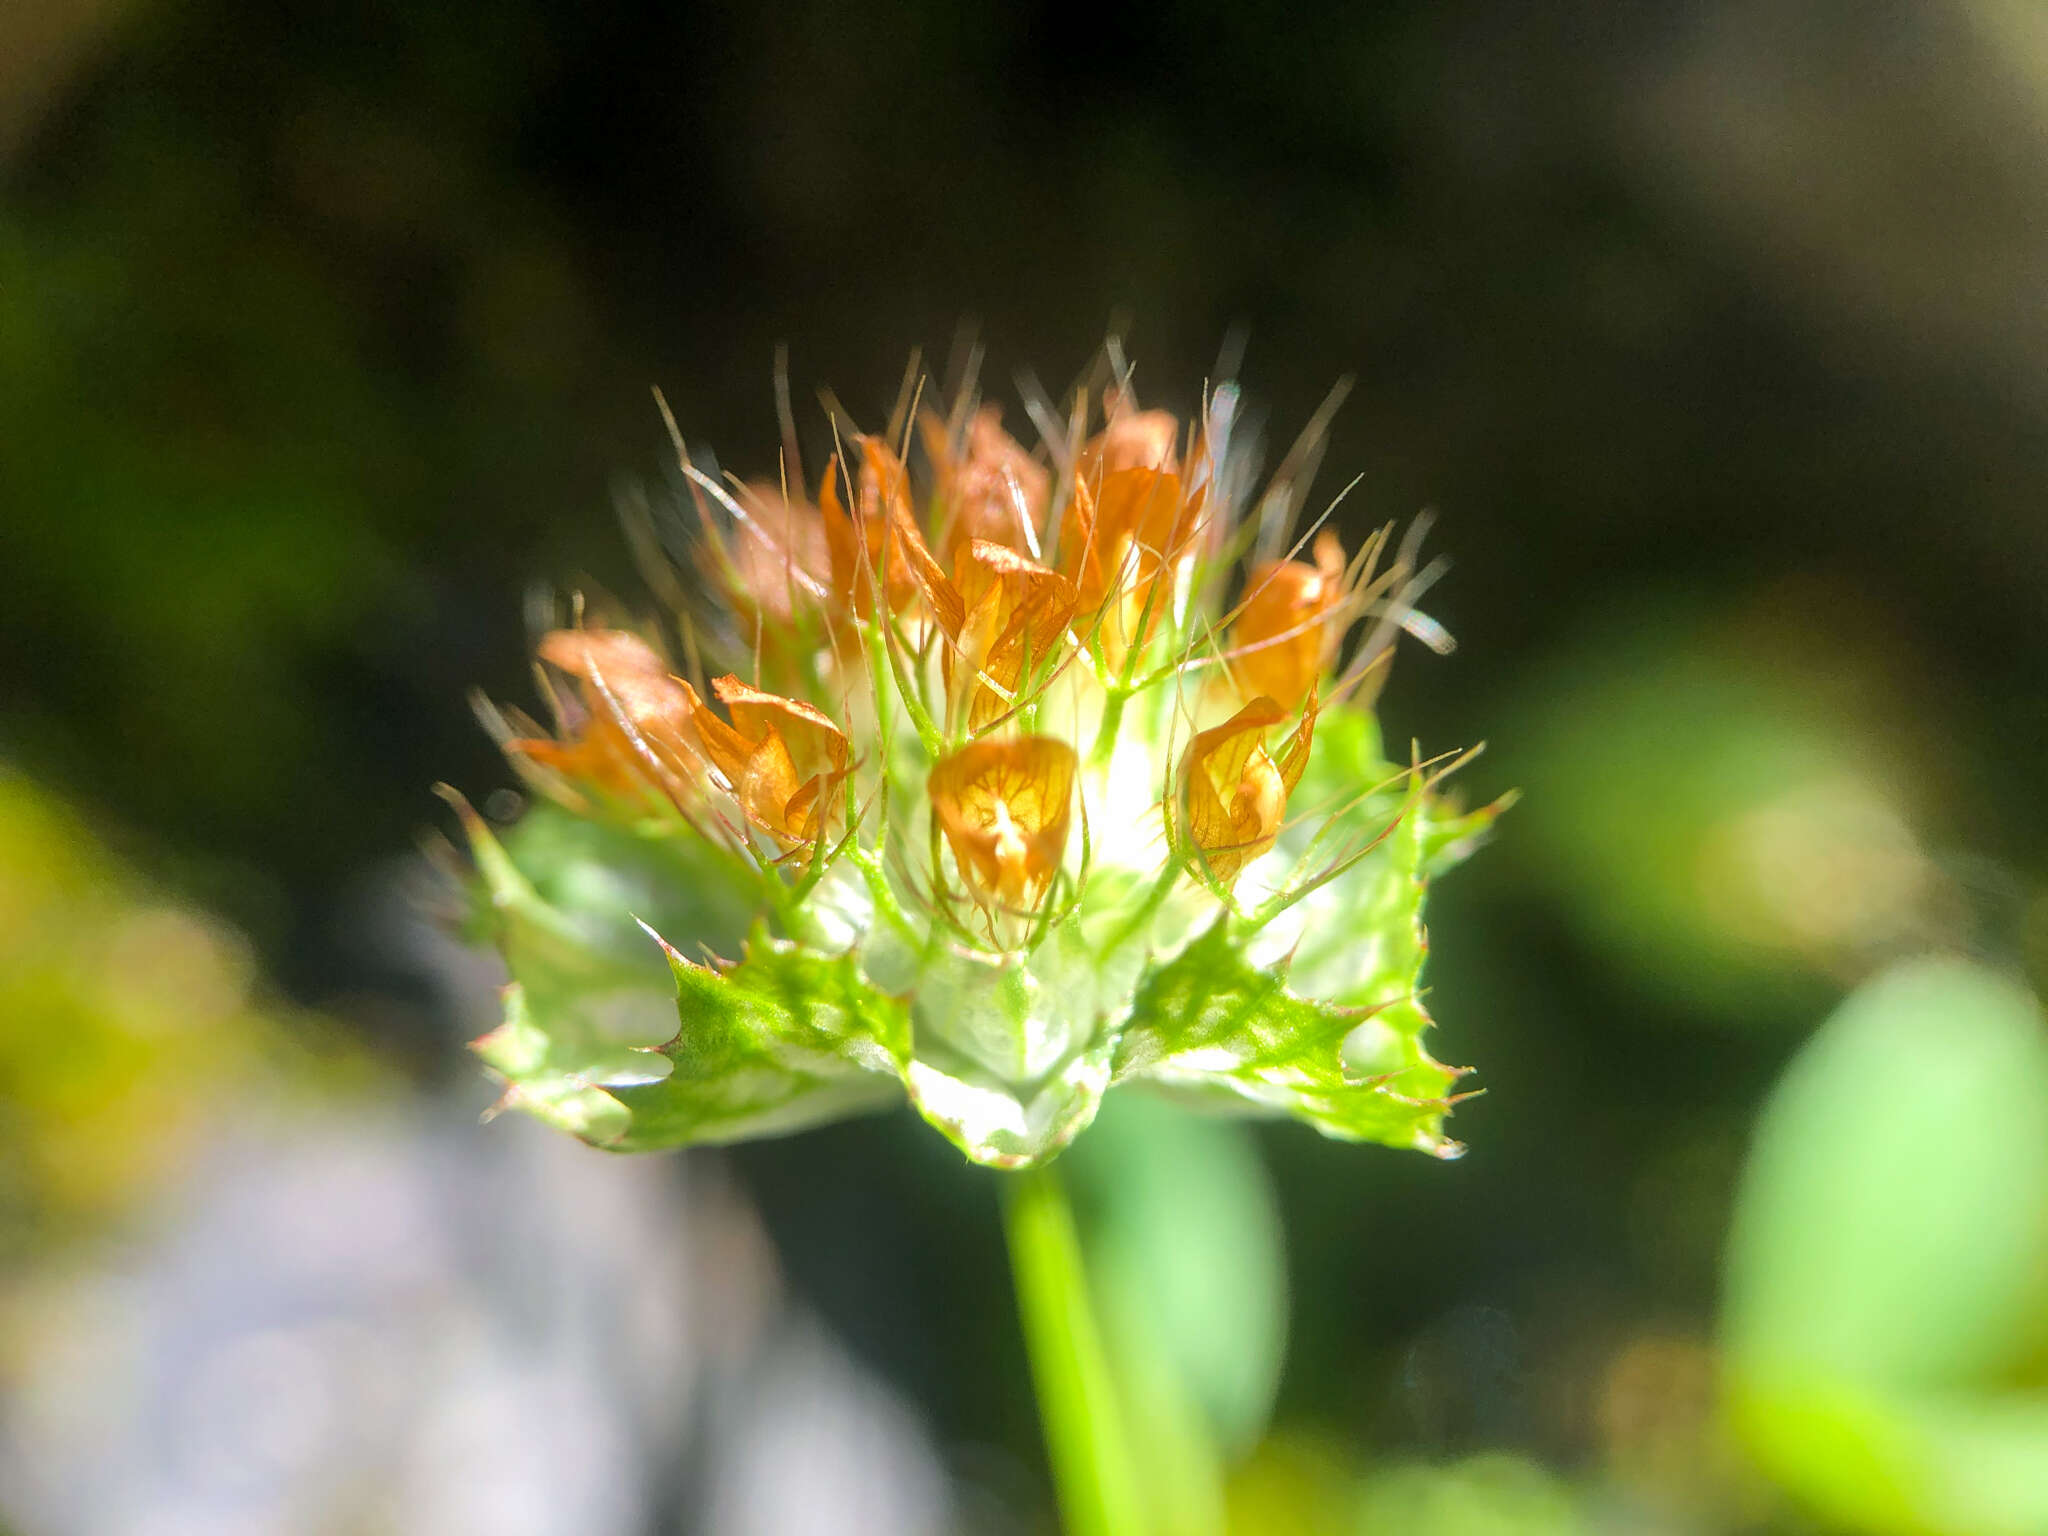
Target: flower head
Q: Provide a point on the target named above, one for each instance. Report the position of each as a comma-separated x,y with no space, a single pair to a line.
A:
1007,788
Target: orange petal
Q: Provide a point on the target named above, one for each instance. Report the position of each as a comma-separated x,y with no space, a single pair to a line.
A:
1005,807
915,556
1016,613
846,558
814,740
990,491
769,788
815,745
857,550
1233,795
613,662
884,482
724,748
633,738
1294,759
778,555
1147,440
780,758
1117,539
1286,631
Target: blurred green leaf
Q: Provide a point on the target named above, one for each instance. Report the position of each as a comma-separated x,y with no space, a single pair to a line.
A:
1491,1495
1887,1274
1294,1486
1729,814
131,1024
1189,1262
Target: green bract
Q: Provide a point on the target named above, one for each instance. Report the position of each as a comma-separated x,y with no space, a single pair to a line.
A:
1092,809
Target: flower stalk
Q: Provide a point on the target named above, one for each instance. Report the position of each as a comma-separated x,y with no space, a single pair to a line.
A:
1078,1408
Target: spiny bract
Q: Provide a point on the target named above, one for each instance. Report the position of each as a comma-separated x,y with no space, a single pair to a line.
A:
987,776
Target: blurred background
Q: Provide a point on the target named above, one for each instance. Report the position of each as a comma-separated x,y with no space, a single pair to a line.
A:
1717,335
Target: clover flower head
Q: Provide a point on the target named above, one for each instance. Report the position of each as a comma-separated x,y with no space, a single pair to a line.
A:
987,776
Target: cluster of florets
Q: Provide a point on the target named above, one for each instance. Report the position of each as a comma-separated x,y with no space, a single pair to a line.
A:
1002,777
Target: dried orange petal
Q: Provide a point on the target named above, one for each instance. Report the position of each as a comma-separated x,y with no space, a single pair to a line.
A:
1285,634
1233,793
1005,807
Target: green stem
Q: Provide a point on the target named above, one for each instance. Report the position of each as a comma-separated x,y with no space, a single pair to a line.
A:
1105,733
1084,1437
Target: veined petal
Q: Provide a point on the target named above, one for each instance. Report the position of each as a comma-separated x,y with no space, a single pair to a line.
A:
909,550
1287,630
1005,807
869,539
816,744
992,490
1015,611
1233,793
632,740
780,758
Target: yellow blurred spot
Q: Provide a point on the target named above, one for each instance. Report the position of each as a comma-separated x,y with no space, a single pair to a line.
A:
1825,866
128,1023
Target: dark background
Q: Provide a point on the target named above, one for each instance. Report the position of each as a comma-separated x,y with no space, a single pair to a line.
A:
1715,334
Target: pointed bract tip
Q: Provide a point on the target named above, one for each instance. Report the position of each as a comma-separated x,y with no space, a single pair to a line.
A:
506,884
675,957
458,802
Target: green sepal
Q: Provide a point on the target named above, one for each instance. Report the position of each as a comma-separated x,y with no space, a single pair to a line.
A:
546,1082
579,1008
784,1039
1211,1023
603,875
1345,1052
1013,1052
603,1041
